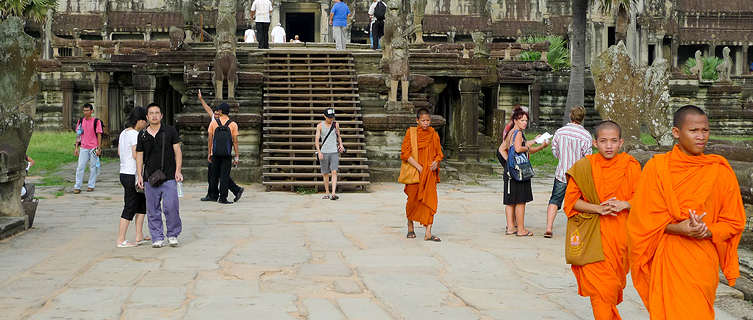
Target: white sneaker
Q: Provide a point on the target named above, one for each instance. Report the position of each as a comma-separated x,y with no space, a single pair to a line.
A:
158,244
173,241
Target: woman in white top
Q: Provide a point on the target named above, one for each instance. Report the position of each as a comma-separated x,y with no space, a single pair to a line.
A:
134,201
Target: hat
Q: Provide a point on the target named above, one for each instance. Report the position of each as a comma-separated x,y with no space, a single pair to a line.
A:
224,108
329,113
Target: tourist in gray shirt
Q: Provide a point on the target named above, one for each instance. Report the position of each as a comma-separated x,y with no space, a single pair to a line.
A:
329,144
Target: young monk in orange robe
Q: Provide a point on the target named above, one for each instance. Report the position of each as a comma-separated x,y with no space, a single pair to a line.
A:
422,196
685,225
615,176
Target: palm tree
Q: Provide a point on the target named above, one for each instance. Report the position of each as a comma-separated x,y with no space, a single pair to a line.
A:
32,10
576,87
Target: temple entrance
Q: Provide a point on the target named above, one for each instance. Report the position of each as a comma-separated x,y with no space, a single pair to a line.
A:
302,19
301,24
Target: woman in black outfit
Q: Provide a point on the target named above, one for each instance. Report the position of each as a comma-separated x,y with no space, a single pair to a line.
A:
518,193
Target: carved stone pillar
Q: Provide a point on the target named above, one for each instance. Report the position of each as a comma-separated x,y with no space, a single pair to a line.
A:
464,126
324,24
67,87
534,91
101,100
275,18
746,56
143,88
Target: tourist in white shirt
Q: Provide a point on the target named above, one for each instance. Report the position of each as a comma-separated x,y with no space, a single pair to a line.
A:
261,12
249,36
134,201
278,34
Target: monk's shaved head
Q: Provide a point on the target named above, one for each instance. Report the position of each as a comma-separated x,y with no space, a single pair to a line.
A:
422,111
608,125
683,113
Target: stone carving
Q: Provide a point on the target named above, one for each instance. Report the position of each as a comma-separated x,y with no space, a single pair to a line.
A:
418,8
698,68
631,95
18,75
177,39
396,52
481,42
725,68
97,53
225,61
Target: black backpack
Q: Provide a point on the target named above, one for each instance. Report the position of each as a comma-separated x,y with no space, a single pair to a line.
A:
380,10
223,139
94,126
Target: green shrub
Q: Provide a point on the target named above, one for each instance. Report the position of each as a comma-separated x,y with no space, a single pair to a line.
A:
709,67
529,56
558,55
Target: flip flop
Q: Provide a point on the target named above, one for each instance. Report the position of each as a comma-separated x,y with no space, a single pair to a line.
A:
547,234
126,244
334,197
326,197
411,235
529,234
433,238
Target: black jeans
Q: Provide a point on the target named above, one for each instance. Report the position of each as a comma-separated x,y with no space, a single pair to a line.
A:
133,202
377,32
219,173
262,34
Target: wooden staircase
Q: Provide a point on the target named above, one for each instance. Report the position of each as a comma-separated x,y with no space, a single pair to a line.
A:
298,86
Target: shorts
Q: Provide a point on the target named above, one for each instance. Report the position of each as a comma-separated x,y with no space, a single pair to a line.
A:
558,193
134,202
329,162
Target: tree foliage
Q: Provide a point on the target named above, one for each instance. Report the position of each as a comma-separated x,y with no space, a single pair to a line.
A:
529,56
709,67
33,10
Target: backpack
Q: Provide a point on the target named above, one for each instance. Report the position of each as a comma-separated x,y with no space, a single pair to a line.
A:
223,139
518,165
380,10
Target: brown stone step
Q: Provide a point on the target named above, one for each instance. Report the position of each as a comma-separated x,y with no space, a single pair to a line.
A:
307,144
271,83
314,122
302,76
299,88
315,174
311,101
310,71
316,64
310,158
314,166
298,58
309,128
304,136
310,151
312,113
313,183
302,108
311,95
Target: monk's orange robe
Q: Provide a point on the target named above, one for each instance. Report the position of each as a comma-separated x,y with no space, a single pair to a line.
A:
604,281
677,276
422,196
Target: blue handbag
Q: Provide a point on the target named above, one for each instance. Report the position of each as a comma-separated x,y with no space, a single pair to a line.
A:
518,165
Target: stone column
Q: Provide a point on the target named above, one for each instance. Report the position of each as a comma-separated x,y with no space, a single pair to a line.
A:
746,65
534,92
148,32
712,50
275,18
739,63
143,88
101,100
67,87
465,120
675,47
324,24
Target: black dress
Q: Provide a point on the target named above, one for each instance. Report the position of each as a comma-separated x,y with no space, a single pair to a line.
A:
516,192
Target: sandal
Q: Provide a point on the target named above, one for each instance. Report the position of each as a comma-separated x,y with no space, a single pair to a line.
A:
126,244
325,197
411,235
547,234
509,233
433,238
529,234
334,197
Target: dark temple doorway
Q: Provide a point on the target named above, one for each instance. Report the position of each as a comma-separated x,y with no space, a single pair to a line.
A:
301,24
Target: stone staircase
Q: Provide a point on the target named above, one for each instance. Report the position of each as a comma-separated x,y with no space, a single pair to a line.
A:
298,86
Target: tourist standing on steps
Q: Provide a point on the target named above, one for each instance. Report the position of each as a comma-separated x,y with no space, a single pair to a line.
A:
338,19
249,36
223,140
278,34
329,144
377,12
87,148
134,200
213,192
261,12
158,167
569,144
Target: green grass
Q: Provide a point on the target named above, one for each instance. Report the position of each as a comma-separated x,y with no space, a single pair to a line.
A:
59,193
52,180
50,150
304,190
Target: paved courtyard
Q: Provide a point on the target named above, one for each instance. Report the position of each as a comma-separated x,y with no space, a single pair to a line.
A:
280,255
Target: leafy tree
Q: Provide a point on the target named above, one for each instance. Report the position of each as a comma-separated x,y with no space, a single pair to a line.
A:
33,10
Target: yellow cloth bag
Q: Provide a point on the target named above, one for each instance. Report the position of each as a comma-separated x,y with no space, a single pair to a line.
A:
409,173
583,240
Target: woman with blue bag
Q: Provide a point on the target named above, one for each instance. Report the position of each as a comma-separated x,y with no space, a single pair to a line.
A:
519,171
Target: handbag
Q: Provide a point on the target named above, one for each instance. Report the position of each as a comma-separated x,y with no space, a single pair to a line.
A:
409,173
158,177
518,165
583,236
316,154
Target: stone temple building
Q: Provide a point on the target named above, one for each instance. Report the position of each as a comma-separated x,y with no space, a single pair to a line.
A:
465,67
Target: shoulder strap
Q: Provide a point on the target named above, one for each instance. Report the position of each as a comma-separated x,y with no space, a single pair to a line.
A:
414,142
332,127
582,174
219,123
162,162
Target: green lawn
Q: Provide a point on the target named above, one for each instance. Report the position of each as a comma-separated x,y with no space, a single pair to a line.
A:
50,151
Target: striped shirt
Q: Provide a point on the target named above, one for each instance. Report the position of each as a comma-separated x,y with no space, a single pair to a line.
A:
569,144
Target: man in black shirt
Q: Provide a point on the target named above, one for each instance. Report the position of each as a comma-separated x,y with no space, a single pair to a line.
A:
158,150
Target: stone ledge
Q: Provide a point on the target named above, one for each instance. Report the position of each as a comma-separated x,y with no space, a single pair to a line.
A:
10,226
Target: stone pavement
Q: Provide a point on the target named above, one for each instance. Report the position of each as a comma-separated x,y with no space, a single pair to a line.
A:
279,255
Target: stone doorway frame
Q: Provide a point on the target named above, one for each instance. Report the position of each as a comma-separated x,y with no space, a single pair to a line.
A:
305,7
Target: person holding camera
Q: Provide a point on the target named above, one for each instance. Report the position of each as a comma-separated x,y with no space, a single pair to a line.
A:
328,150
